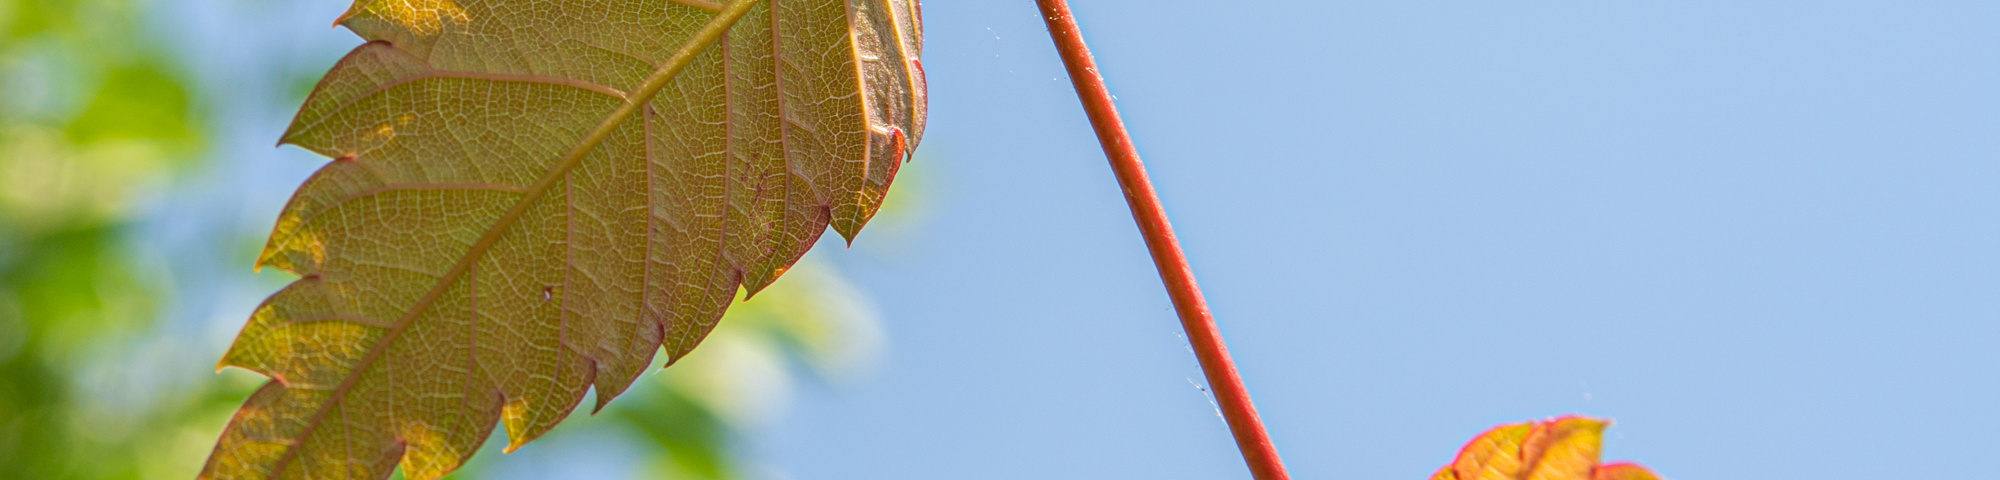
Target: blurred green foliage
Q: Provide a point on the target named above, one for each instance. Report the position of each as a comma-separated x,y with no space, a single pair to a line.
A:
94,114
89,113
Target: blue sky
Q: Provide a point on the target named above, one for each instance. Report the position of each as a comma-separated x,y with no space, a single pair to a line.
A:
1759,235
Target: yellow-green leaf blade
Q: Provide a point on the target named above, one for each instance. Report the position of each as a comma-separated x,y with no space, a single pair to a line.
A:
503,228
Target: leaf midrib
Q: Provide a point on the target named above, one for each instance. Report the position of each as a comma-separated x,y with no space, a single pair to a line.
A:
635,101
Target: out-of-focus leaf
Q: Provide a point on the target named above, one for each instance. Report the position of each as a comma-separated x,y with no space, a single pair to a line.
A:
24,18
82,289
33,436
691,436
456,275
1564,448
90,112
138,101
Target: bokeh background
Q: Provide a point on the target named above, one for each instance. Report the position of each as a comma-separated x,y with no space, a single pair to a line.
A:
1759,235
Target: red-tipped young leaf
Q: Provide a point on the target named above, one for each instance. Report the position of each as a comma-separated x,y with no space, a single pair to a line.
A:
530,199
1564,448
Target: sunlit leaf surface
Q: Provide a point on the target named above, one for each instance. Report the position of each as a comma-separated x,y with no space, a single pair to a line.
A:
1564,448
384,352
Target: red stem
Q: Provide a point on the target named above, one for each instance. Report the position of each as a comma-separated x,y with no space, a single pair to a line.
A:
1232,397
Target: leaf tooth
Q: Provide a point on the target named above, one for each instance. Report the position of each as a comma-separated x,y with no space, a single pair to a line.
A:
428,392
247,448
693,194
766,188
888,87
523,317
529,417
751,289
362,72
356,9
291,247
298,336
608,217
610,388
804,226
826,124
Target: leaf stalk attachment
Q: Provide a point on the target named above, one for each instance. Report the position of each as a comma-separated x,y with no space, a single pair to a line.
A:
1230,394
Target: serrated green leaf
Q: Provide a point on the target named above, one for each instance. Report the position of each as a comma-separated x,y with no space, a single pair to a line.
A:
513,217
